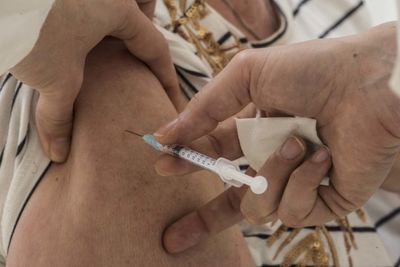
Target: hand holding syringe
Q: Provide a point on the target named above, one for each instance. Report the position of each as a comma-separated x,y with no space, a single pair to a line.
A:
228,171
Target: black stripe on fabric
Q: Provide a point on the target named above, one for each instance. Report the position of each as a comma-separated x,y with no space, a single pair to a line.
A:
26,202
192,72
298,7
359,229
224,37
342,19
397,264
186,81
9,75
243,40
261,45
186,94
261,236
16,94
22,144
1,156
387,217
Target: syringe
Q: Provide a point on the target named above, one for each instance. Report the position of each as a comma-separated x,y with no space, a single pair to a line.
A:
227,170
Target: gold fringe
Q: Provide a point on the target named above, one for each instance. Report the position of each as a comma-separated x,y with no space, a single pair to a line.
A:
331,245
276,235
311,248
188,26
287,240
361,215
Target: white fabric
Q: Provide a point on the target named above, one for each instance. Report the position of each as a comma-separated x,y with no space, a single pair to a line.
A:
20,24
318,15
379,206
260,137
395,79
19,171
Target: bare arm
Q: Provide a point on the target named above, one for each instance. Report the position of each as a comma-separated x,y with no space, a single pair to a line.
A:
106,206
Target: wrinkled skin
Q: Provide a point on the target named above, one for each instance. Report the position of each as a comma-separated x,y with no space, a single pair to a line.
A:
343,84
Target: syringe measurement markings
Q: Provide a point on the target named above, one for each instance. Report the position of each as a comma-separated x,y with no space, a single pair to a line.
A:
199,158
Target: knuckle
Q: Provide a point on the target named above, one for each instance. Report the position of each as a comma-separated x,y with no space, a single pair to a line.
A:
197,105
307,175
346,205
343,202
243,58
290,218
196,99
258,217
54,127
124,11
302,175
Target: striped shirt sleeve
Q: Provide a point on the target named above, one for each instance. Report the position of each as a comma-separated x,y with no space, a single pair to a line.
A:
22,160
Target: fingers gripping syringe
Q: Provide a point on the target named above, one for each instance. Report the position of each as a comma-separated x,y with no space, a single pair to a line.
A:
226,169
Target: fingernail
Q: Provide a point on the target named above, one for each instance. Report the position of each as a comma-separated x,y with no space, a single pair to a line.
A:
59,149
165,129
185,234
292,148
320,156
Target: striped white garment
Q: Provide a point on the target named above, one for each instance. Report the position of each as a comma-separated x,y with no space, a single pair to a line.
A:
193,71
22,162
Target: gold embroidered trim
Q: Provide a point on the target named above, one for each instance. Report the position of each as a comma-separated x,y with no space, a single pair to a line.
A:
188,26
311,248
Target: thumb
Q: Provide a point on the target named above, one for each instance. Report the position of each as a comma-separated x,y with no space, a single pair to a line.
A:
54,114
226,95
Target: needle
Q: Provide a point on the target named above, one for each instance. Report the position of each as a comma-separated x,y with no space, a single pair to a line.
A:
131,132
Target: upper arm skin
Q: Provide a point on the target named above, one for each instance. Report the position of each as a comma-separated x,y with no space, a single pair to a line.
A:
106,206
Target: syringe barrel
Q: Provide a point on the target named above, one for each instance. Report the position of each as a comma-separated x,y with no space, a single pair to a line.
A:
190,155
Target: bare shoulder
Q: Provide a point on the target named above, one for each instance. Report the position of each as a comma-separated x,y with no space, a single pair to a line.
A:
106,206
